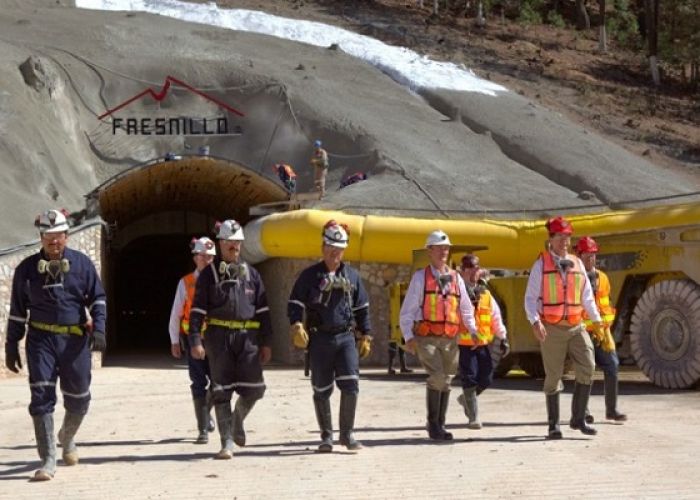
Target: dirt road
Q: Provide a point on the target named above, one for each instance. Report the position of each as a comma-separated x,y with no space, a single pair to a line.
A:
137,442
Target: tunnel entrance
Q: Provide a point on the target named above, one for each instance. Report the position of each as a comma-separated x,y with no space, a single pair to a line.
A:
146,270
153,211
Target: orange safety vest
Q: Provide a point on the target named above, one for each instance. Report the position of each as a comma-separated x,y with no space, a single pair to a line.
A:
289,171
602,300
561,300
190,282
440,312
483,316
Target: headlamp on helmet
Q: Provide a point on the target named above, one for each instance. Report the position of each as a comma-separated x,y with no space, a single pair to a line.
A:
203,246
335,234
52,221
438,237
229,230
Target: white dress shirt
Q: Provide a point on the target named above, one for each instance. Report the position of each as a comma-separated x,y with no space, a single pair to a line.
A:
176,310
412,308
533,292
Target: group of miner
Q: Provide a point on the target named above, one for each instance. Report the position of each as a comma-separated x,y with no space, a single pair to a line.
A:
220,322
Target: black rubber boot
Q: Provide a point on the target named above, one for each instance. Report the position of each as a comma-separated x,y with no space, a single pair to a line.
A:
392,354
470,403
348,405
611,388
444,403
201,412
433,405
325,424
402,362
224,421
553,416
579,403
66,437
46,446
210,404
243,407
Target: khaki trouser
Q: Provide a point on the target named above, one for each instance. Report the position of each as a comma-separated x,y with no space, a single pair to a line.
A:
560,341
440,358
320,180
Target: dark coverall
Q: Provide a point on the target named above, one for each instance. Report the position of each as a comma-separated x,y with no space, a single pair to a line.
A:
61,299
232,350
332,315
238,322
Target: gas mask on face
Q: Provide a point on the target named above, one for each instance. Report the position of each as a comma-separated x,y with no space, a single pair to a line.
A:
231,271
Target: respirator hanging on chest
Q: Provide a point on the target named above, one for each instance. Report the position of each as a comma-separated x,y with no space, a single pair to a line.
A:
233,271
54,268
334,282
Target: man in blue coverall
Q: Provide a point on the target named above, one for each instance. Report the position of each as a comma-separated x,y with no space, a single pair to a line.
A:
230,294
51,292
336,305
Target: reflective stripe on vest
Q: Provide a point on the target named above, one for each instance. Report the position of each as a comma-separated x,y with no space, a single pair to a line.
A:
190,282
483,318
602,300
440,312
561,300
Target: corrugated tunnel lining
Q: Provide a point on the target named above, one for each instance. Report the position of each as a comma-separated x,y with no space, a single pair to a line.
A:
219,187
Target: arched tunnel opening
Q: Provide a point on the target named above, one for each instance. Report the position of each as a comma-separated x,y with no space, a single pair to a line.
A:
153,211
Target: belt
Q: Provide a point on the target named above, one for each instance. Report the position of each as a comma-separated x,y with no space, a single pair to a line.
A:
60,329
233,324
331,330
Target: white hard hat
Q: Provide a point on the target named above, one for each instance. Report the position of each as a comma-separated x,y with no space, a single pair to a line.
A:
438,237
203,245
229,230
51,221
335,235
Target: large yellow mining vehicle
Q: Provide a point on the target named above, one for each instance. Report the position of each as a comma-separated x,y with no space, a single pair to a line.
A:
652,256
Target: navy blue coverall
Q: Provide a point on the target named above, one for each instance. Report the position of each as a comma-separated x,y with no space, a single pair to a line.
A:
58,299
232,351
332,315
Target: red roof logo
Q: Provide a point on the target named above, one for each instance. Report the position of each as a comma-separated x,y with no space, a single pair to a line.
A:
159,96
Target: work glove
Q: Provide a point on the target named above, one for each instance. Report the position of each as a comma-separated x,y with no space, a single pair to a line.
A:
608,343
98,342
364,346
505,347
12,360
300,338
598,333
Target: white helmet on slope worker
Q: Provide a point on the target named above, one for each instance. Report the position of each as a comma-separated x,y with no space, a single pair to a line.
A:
229,230
203,246
51,221
438,237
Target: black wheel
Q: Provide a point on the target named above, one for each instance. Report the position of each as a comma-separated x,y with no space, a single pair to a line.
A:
501,365
531,363
665,333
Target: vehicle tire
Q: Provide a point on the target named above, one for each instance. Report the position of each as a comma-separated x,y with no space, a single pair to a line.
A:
531,363
665,333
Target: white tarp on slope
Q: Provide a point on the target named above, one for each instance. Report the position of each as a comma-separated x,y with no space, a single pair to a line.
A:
403,65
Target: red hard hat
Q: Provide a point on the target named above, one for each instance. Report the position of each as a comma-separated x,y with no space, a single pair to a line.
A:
586,245
559,225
